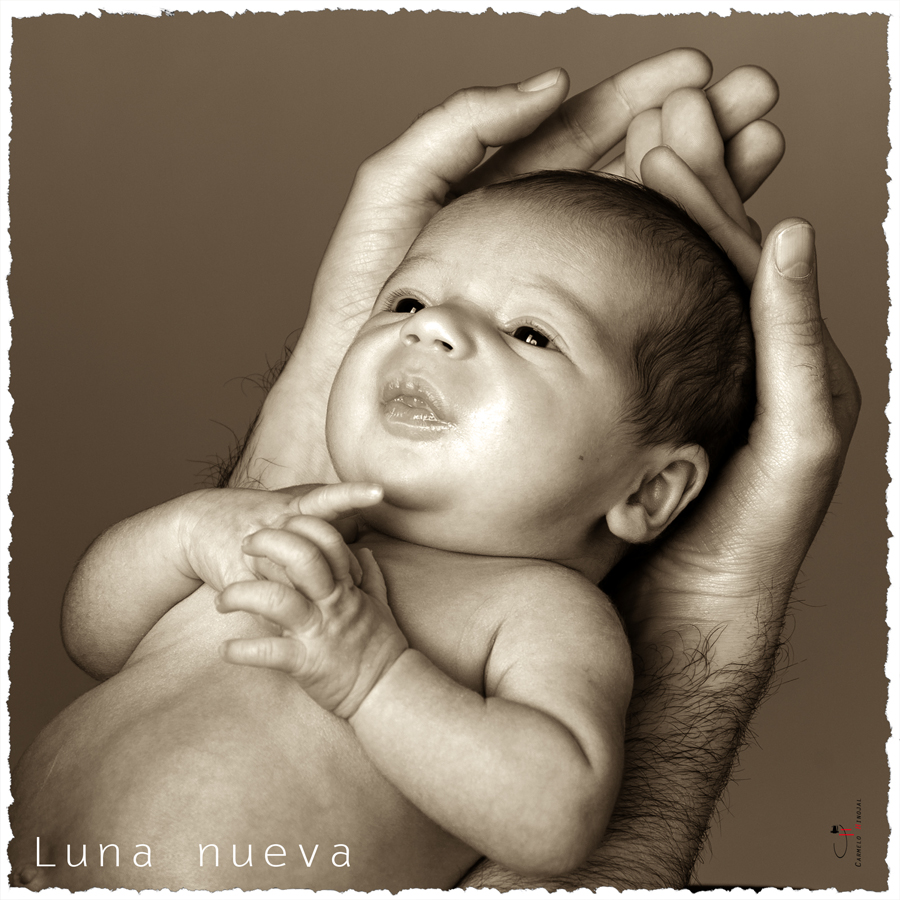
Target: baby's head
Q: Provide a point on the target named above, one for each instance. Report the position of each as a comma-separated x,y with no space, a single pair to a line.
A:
555,366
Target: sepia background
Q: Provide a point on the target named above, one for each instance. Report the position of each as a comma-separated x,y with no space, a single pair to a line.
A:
174,182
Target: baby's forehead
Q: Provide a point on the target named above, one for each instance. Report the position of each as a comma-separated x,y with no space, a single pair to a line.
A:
557,258
552,223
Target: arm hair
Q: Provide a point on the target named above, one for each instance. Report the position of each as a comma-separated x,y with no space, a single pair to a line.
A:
686,723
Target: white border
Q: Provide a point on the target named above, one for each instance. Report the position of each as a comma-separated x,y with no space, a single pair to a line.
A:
27,8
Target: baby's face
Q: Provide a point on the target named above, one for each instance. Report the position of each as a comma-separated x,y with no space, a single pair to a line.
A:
485,392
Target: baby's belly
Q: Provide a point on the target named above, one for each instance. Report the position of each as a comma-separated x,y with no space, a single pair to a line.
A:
181,752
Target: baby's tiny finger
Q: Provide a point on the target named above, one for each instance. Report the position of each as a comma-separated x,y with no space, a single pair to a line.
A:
327,538
284,654
274,601
265,568
356,573
307,568
331,501
372,581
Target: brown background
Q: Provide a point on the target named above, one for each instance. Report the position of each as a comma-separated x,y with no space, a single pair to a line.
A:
174,183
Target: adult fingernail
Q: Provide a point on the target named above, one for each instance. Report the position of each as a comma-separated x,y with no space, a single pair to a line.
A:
540,82
795,251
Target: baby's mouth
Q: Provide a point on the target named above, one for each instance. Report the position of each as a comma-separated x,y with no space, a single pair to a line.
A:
412,402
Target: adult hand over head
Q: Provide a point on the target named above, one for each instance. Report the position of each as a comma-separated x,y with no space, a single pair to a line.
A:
705,606
401,187
730,152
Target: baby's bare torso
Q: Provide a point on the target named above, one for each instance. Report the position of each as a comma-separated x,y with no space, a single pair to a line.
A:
181,750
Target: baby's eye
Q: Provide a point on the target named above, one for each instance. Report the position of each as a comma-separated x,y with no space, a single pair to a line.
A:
408,305
531,335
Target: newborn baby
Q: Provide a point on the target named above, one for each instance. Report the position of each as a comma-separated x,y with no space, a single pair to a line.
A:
547,378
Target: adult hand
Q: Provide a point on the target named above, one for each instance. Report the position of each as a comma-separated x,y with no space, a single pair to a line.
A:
400,188
706,606
763,511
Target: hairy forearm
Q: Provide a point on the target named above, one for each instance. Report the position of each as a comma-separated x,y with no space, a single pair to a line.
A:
694,696
125,582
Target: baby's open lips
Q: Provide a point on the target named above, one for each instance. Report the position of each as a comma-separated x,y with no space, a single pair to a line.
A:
412,401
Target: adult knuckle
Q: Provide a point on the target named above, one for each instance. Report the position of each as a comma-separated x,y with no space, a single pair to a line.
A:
576,131
817,446
803,332
376,170
462,101
622,95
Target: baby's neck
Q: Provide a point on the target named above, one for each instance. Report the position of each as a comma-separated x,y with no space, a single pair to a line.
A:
601,556
595,563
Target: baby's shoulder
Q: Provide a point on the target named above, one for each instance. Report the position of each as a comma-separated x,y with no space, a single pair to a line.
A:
559,629
540,591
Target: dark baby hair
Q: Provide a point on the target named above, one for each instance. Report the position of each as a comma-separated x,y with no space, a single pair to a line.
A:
692,357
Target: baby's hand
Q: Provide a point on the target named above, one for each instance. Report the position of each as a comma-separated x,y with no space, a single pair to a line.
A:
216,522
338,635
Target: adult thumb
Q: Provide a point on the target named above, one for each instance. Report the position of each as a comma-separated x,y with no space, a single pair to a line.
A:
447,142
791,362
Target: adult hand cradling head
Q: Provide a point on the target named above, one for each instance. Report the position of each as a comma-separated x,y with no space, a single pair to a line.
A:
705,609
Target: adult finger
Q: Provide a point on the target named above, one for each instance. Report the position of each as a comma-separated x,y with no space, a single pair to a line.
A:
753,148
447,142
665,172
742,96
283,654
644,133
303,562
276,602
752,155
755,230
689,127
590,124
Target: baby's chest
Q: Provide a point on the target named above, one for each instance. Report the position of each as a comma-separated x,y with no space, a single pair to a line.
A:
443,603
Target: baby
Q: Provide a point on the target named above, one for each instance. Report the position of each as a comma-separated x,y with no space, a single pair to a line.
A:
546,379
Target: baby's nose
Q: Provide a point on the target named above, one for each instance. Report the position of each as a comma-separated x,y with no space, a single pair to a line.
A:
439,328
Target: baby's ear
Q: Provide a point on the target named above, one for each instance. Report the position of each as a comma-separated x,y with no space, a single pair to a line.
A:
680,474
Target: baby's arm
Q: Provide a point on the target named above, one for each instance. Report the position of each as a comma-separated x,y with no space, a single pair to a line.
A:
140,568
126,581
527,775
